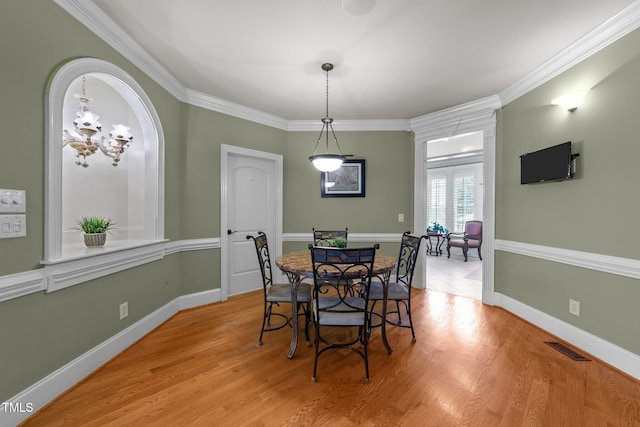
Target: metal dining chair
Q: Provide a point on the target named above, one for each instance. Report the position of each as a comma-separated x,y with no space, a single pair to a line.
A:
277,293
400,289
334,307
324,237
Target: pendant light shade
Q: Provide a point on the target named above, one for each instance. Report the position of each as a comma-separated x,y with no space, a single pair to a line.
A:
327,162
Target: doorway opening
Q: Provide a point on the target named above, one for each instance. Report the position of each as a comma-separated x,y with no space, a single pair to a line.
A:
454,195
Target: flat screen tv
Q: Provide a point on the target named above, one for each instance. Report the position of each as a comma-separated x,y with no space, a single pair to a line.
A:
549,164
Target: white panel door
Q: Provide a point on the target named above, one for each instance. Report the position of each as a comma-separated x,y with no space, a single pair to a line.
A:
250,207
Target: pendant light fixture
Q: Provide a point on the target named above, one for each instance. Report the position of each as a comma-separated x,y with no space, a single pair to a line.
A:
327,162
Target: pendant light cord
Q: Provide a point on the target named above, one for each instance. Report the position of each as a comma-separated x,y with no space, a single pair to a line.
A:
327,121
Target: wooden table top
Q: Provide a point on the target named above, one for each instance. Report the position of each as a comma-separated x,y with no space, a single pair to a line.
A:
300,263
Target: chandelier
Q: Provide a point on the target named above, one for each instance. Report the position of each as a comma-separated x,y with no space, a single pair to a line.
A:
327,162
86,138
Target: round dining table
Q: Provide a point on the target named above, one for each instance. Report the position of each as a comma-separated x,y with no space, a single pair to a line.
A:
297,266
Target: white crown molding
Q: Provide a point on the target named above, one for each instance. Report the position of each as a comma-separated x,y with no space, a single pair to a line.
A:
104,27
351,125
611,30
607,264
220,105
609,353
97,21
457,120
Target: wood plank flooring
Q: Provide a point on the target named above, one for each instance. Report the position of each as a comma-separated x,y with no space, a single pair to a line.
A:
472,365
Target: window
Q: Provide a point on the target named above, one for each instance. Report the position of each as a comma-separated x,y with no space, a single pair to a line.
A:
454,195
437,200
463,200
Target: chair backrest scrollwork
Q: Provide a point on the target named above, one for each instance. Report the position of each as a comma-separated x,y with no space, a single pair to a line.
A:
264,259
342,274
409,247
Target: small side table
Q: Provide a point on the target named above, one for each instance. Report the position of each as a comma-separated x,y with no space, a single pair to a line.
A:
435,248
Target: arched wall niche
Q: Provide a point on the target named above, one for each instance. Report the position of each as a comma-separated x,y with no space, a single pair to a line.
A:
131,194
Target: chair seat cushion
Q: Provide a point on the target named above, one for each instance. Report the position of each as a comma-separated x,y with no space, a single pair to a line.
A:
342,314
460,243
281,292
396,291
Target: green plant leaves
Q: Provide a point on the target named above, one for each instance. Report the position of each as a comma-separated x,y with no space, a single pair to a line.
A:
94,224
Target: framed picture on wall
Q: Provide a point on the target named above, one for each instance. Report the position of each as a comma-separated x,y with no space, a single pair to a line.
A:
346,181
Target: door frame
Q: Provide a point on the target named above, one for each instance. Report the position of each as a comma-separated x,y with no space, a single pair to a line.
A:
275,242
478,116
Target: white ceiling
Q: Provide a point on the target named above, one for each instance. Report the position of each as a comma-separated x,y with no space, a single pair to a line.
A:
402,60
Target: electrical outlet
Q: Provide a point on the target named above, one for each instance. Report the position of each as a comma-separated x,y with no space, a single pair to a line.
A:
574,307
400,217
124,310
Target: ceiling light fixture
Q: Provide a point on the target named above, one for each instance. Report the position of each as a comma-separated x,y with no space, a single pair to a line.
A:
84,139
327,162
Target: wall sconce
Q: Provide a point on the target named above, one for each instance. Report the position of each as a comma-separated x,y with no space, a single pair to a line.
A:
570,101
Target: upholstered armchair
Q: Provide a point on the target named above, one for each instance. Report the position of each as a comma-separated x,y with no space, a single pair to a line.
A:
470,238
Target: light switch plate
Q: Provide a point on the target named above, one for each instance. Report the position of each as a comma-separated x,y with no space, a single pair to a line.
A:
13,226
13,201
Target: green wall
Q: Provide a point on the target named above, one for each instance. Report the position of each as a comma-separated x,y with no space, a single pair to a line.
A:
204,131
595,212
43,332
389,184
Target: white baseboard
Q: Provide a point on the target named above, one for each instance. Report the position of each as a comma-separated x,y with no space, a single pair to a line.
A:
199,298
38,395
609,353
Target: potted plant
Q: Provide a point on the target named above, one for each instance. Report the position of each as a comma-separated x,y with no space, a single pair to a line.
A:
338,242
95,230
437,228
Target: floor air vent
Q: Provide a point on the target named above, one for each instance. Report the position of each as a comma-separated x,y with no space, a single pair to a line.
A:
567,351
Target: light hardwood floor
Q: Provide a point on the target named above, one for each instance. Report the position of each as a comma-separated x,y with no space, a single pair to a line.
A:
472,365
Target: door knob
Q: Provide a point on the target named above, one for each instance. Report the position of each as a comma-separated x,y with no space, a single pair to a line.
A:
230,232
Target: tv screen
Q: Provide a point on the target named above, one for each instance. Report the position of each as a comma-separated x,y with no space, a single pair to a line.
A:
549,164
